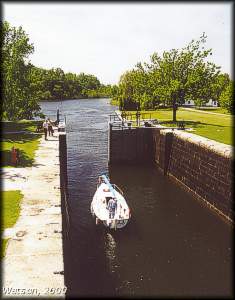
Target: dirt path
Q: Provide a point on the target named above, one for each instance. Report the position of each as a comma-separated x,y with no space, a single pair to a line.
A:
205,112
33,263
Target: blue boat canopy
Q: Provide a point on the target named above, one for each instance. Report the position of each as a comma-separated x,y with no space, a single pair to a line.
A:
105,179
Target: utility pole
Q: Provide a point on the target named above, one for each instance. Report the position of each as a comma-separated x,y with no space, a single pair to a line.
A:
138,114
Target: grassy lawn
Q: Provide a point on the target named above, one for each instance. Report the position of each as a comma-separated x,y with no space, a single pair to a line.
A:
24,140
3,248
212,126
10,212
219,110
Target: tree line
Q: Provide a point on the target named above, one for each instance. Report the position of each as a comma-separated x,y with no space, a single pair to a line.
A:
173,78
54,84
169,79
24,85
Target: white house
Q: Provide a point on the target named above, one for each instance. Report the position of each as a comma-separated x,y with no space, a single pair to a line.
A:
210,103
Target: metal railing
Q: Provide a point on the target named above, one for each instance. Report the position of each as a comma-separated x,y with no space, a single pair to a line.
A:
123,121
130,120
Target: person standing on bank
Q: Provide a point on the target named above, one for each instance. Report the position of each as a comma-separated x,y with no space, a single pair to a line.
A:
50,129
45,128
112,207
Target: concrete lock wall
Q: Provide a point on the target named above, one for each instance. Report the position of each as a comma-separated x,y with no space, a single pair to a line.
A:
130,146
202,166
65,207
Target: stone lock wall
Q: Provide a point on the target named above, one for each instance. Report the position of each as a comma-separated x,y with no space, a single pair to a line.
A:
202,166
206,168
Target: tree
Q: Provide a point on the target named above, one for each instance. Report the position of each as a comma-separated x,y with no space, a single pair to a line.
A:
54,84
220,84
170,79
19,100
127,91
227,97
184,74
24,84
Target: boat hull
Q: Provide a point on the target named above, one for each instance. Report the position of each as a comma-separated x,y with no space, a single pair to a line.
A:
112,224
116,224
99,208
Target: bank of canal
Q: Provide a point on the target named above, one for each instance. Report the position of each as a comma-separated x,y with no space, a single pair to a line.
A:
173,246
33,264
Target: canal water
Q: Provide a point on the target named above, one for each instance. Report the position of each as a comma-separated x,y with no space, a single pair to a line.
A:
173,246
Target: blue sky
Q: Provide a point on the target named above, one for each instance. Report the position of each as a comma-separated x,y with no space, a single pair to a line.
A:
107,39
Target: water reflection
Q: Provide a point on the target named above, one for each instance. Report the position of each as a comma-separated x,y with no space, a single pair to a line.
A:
110,246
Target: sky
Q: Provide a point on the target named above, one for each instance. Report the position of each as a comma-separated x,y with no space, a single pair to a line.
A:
107,39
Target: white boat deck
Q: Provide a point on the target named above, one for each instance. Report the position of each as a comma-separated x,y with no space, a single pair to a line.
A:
100,204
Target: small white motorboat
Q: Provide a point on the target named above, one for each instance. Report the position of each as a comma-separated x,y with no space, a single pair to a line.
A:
100,205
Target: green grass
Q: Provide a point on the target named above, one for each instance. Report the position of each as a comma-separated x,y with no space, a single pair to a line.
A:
10,208
219,110
3,248
26,142
10,212
212,126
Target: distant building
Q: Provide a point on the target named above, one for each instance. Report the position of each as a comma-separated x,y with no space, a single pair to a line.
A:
210,103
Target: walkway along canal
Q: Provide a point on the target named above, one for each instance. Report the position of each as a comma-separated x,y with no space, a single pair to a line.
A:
173,245
34,265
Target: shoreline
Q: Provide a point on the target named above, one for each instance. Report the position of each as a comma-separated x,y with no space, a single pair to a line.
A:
35,247
85,98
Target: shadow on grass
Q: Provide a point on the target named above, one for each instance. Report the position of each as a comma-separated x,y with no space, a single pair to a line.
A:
24,142
29,126
20,138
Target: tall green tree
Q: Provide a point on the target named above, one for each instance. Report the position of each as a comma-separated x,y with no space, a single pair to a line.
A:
18,96
219,85
227,97
184,74
172,78
24,84
54,84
